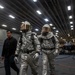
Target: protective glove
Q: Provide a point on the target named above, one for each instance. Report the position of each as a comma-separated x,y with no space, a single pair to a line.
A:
16,59
56,52
25,56
36,56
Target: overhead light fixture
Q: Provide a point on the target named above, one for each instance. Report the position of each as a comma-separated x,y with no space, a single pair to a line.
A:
71,26
69,7
57,36
61,38
36,29
71,22
1,7
4,25
57,31
20,31
13,28
70,17
46,19
35,0
22,22
11,16
68,35
38,12
51,24
54,27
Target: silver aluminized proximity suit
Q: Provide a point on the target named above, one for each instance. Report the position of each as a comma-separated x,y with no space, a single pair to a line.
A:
28,47
49,45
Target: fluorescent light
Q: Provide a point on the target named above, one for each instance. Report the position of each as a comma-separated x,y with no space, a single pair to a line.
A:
38,12
20,31
13,28
35,0
61,38
11,16
57,31
36,29
46,19
71,26
4,25
54,27
69,7
70,17
68,35
57,36
64,39
22,22
1,7
51,24
71,22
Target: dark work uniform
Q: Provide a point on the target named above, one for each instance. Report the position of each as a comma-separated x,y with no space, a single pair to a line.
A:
8,52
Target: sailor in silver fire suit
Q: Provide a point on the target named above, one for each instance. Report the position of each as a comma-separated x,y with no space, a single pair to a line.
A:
49,45
29,49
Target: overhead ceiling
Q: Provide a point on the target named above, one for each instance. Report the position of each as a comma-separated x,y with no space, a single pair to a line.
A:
55,10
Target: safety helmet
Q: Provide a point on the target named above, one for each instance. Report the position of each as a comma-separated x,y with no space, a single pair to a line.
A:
45,29
25,26
46,26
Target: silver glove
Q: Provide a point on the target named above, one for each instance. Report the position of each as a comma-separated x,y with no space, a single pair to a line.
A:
36,56
56,53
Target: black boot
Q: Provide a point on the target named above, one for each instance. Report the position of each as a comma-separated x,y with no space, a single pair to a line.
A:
52,74
18,73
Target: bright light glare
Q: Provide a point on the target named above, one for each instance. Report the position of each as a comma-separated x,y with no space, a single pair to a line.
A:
57,31
35,0
70,17
71,22
69,7
38,12
54,28
4,25
13,28
36,29
1,7
11,16
72,28
51,24
46,19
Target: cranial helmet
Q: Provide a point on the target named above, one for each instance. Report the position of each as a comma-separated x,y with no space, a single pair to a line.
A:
46,26
25,26
45,29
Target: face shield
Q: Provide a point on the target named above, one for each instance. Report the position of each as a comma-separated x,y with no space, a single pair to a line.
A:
45,29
